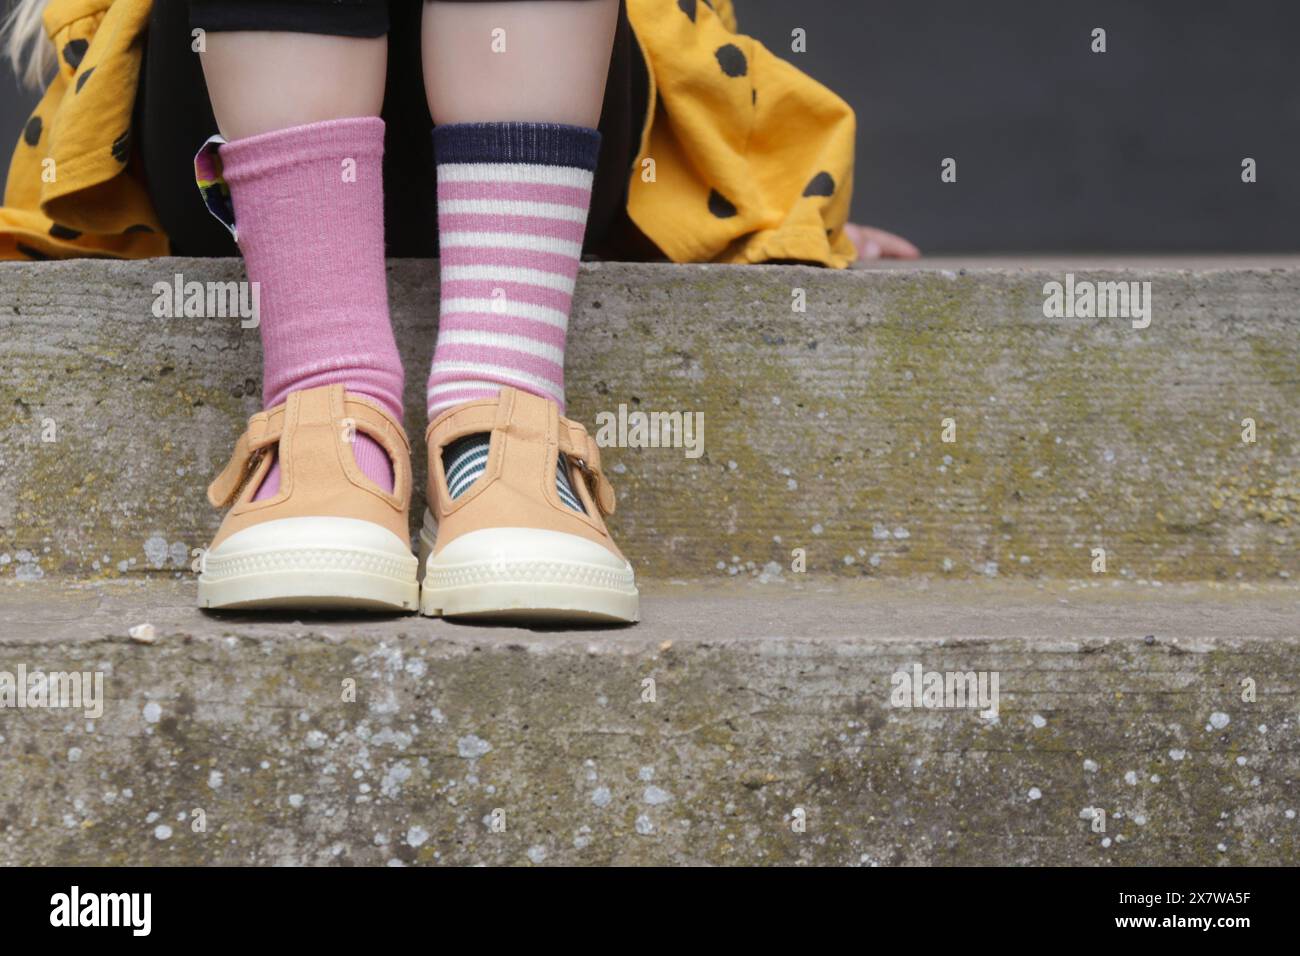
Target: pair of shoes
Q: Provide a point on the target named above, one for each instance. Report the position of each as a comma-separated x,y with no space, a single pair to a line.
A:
331,538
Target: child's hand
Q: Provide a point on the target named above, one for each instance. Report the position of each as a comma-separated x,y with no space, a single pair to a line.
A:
875,243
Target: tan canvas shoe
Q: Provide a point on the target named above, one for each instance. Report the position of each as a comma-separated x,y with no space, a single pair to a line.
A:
508,547
329,537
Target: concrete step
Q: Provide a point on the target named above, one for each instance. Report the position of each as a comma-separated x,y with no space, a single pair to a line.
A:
1174,711
823,429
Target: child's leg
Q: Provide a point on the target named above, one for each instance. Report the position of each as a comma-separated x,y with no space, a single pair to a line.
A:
542,61
260,82
515,90
516,148
299,86
301,111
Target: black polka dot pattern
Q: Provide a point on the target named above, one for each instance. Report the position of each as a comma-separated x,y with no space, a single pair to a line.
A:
81,80
73,51
823,184
687,7
732,60
122,147
29,252
63,232
32,131
720,205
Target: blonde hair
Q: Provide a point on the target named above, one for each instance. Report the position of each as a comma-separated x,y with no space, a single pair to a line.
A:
24,43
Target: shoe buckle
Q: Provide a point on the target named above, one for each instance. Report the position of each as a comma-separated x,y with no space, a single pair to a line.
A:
601,490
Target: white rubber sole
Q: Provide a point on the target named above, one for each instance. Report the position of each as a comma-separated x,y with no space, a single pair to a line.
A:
311,564
526,575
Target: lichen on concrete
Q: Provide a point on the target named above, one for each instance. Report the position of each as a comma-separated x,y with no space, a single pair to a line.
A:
1071,434
280,740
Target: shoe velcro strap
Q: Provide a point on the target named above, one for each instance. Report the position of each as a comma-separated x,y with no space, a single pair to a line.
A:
264,429
267,428
576,442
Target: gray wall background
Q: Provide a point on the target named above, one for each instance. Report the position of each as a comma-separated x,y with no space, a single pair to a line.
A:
1057,148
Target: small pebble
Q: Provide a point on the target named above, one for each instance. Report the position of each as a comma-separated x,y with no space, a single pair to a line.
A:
143,634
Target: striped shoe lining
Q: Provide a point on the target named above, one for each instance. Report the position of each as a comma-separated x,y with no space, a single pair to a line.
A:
465,459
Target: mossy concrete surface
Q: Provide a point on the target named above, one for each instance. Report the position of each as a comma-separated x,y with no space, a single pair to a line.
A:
740,723
823,428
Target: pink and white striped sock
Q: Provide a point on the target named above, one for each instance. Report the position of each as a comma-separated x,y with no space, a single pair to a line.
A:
313,239
512,210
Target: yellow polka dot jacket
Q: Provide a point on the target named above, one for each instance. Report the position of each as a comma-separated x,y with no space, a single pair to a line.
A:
743,158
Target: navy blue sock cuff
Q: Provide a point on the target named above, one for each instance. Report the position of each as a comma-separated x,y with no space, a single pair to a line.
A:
544,144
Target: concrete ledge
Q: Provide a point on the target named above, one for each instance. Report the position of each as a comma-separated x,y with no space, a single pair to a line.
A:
767,698
822,428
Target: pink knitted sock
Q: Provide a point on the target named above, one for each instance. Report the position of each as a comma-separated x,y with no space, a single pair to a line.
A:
512,209
309,211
